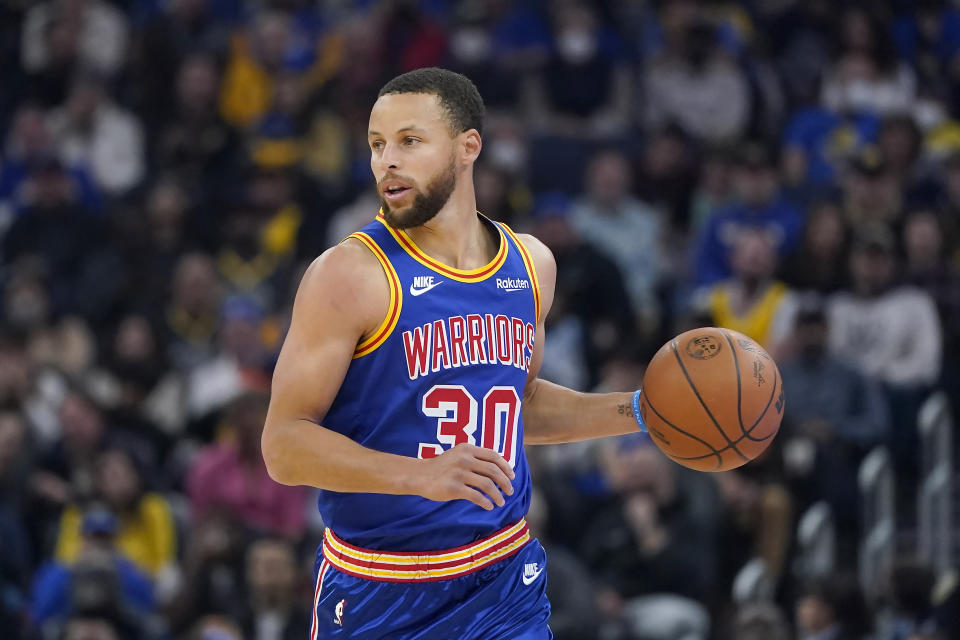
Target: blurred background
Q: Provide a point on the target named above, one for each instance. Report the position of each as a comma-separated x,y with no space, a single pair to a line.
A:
786,168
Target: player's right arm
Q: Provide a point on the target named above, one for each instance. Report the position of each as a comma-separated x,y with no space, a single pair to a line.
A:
342,298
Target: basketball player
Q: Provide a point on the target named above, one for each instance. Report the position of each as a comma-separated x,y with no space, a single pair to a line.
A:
407,387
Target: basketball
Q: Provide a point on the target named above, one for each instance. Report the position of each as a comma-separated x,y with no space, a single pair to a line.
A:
712,399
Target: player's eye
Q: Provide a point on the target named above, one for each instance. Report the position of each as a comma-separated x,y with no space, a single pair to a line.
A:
376,145
410,141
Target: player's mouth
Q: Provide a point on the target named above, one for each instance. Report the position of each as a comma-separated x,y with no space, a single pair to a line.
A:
393,191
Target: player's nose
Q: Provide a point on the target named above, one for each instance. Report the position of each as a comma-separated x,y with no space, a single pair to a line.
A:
389,157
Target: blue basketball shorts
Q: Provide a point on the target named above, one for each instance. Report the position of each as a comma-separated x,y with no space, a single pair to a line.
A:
493,589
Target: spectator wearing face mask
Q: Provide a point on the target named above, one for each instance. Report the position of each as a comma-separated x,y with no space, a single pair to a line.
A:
695,84
584,88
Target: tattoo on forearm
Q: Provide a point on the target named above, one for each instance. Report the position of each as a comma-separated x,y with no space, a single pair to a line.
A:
625,409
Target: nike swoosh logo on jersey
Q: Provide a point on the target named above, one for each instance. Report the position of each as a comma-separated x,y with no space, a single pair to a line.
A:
418,292
529,578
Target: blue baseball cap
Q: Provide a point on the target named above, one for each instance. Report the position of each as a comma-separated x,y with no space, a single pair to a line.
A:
99,521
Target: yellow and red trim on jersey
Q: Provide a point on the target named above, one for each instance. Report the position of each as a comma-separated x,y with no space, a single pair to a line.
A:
531,269
383,332
462,275
424,566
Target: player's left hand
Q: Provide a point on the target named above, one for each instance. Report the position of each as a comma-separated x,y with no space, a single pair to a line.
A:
466,472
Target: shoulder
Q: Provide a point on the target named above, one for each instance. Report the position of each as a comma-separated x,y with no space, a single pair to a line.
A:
540,253
546,269
344,276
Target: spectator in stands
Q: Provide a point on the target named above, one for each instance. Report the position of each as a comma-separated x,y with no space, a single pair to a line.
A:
666,175
89,128
756,521
255,56
259,238
928,268
98,27
56,229
834,415
145,532
232,476
134,382
871,193
573,612
628,231
891,333
819,263
752,301
192,141
190,317
501,196
647,542
694,83
493,44
928,38
818,144
65,471
100,577
761,207
591,314
866,75
832,608
154,243
584,88
272,609
213,571
29,146
714,189
900,144
241,363
183,30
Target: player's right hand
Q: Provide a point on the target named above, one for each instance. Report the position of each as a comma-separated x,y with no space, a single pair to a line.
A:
467,472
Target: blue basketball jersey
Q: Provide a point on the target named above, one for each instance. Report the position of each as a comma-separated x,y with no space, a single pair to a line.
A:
448,365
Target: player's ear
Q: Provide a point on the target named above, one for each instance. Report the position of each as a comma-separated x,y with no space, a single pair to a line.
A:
470,145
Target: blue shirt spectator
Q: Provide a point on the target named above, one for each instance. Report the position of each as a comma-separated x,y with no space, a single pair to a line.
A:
100,577
760,207
817,141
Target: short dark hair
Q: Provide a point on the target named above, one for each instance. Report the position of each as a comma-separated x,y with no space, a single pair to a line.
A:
456,93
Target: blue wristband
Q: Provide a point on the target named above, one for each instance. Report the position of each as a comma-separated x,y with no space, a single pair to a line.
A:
636,411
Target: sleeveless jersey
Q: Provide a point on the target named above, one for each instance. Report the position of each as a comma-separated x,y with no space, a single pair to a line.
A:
448,365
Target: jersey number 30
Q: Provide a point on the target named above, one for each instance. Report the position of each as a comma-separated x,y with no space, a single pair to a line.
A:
456,413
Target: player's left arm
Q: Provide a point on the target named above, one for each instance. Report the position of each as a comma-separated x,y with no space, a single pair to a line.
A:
552,413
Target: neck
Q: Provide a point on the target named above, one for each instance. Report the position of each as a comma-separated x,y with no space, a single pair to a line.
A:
456,236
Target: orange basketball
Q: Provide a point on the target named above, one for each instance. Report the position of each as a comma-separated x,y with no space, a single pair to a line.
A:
712,399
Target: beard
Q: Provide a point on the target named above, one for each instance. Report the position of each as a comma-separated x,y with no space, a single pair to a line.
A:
426,203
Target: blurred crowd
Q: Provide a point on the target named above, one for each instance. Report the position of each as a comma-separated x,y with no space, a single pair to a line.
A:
789,169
